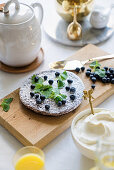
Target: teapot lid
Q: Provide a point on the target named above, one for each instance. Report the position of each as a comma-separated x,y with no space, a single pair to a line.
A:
17,14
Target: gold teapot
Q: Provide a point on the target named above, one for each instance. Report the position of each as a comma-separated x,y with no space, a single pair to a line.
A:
65,8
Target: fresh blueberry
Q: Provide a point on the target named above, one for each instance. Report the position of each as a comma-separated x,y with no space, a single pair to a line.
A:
107,73
70,81
93,79
91,75
36,95
38,101
72,97
111,76
112,81
31,94
108,80
77,69
106,68
42,97
104,79
45,78
97,67
59,103
96,75
72,89
36,79
67,88
50,82
83,68
111,70
32,86
57,74
47,107
89,69
63,101
88,73
93,86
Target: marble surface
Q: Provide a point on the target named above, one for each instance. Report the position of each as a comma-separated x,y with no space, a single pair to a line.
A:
61,153
58,32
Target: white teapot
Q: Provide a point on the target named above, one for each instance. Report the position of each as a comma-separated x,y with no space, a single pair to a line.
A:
20,33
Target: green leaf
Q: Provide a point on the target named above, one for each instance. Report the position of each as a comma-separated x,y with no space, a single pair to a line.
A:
63,96
94,64
61,84
64,75
8,101
5,106
100,72
58,98
47,93
40,81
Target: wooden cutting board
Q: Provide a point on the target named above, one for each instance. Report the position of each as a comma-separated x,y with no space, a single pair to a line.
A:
33,129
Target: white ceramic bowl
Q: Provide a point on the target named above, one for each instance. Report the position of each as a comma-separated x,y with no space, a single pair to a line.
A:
86,151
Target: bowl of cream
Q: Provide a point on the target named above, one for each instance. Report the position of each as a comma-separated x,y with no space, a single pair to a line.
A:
87,128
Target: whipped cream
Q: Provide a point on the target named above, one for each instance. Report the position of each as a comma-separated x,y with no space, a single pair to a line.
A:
89,128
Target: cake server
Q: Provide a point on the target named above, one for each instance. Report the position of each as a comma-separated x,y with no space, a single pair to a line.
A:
72,64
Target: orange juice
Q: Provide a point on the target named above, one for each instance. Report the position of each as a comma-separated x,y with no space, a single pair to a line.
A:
30,162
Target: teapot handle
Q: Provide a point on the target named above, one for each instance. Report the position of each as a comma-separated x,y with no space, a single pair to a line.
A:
34,5
6,7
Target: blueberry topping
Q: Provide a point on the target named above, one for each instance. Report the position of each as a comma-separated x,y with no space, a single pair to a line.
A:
63,101
32,86
88,69
38,101
107,73
42,97
67,88
50,82
72,97
31,94
108,80
111,70
91,75
59,104
111,76
104,79
36,79
112,81
93,79
57,74
88,73
97,67
73,89
77,69
93,86
70,81
36,95
106,68
45,78
83,68
96,75
47,107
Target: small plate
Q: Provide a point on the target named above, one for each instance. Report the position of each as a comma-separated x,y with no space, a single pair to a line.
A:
56,28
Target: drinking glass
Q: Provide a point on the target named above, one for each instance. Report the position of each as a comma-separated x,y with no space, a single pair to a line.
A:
29,158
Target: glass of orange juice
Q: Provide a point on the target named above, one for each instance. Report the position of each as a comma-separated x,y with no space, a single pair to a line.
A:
29,158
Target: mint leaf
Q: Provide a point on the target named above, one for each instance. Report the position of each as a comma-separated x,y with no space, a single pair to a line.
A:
40,81
61,84
100,72
63,76
6,104
47,93
94,64
63,96
5,107
58,98
8,101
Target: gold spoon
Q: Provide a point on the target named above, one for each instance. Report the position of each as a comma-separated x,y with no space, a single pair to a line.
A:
74,30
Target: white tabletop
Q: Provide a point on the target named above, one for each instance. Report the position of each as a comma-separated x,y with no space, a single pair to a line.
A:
61,153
